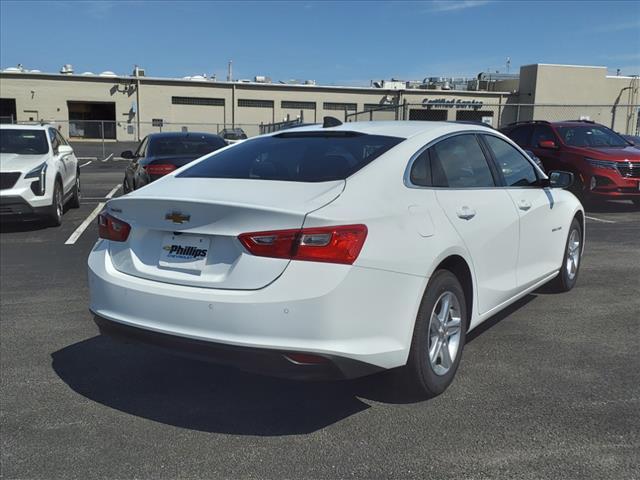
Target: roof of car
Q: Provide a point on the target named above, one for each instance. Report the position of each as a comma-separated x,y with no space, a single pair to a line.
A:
180,134
22,126
397,128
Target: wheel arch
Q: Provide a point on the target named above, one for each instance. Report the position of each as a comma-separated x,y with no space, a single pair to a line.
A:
457,265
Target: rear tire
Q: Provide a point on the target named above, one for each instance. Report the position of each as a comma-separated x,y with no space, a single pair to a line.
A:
54,217
438,338
571,260
75,198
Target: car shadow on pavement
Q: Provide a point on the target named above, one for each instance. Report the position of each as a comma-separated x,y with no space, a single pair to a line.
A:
617,206
197,395
27,226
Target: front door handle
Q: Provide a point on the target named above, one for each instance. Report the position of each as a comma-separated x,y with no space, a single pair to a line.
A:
524,205
466,213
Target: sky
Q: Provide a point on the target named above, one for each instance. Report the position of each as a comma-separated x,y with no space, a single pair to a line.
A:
335,43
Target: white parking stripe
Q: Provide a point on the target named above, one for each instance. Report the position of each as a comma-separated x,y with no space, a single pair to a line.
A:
599,219
113,192
83,226
87,158
85,164
107,159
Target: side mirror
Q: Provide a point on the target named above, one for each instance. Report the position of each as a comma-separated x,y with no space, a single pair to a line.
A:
548,144
128,154
560,179
64,149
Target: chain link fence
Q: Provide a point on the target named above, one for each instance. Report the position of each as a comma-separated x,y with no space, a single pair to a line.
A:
623,119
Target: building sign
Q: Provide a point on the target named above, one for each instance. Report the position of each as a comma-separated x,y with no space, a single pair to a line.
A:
157,122
453,103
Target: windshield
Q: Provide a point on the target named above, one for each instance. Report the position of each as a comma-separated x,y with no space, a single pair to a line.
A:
23,142
185,145
591,136
295,157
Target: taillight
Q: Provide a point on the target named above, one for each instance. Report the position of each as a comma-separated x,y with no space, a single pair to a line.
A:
159,169
111,228
339,244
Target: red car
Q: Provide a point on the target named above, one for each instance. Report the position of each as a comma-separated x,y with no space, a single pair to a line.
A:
605,164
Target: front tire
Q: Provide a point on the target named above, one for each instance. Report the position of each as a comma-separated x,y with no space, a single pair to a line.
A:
571,260
54,218
439,336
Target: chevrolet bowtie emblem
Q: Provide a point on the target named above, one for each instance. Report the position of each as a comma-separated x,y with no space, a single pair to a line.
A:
177,217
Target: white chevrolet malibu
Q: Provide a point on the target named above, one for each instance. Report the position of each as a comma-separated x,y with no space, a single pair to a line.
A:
336,250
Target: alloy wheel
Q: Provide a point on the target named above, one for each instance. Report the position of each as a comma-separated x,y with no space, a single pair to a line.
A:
573,254
444,333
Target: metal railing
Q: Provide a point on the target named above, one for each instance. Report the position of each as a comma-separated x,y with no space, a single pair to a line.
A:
623,118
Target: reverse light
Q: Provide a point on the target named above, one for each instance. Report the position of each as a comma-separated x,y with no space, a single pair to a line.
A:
110,228
159,169
336,244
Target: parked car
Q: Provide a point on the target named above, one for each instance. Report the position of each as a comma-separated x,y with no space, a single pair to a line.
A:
39,173
606,165
233,135
162,153
336,251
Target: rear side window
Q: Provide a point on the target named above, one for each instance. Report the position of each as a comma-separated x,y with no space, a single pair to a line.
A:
459,162
421,170
520,135
295,157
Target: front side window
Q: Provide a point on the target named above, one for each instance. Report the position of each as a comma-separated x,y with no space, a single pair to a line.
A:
295,157
459,162
54,140
594,136
23,142
516,169
140,152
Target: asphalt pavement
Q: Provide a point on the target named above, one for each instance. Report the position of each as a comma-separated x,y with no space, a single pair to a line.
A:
550,388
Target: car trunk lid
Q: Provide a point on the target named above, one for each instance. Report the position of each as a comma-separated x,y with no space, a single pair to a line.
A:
173,221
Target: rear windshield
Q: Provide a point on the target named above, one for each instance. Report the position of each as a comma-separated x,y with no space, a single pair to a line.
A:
192,145
23,142
591,136
295,157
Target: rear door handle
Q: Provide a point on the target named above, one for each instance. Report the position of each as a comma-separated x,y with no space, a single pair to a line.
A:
466,213
524,205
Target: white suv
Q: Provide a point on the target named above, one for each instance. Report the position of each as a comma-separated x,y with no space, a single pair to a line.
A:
38,173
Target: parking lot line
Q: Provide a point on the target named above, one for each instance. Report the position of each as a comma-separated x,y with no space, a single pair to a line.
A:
599,219
113,192
87,221
87,158
85,164
107,158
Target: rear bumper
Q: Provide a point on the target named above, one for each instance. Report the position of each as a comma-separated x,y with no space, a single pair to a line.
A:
262,361
340,312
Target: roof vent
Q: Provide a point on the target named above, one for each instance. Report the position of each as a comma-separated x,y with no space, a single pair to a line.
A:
331,122
67,69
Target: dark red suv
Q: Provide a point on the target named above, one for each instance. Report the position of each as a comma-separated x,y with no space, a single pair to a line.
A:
605,164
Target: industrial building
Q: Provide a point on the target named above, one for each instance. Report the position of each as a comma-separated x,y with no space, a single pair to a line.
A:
128,107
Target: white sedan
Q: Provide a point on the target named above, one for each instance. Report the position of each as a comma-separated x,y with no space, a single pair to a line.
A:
336,250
